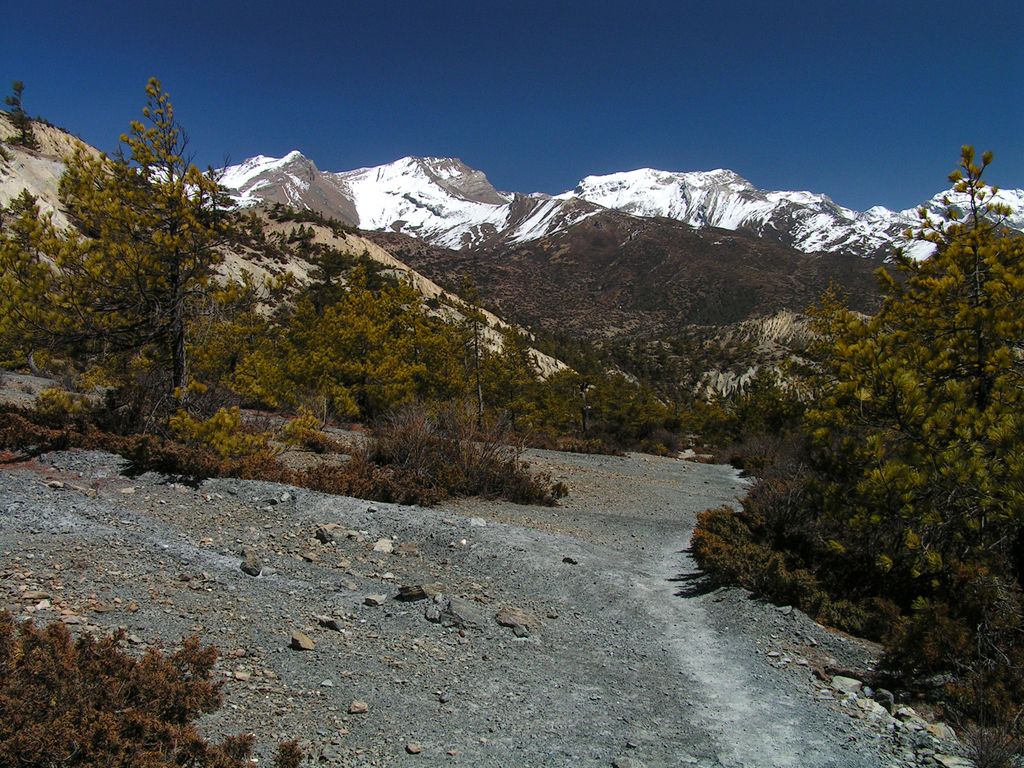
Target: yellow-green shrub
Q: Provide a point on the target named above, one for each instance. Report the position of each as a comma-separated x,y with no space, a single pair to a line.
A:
222,433
301,429
59,403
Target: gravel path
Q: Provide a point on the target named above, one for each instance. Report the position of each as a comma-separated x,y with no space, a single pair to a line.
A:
611,649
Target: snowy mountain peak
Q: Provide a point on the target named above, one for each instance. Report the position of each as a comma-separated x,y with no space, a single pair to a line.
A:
239,176
722,198
700,198
411,174
448,203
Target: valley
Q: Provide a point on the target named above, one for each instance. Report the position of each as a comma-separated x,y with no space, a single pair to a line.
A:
303,416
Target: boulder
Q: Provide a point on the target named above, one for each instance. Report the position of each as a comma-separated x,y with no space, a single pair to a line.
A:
412,593
327,533
846,684
251,564
518,620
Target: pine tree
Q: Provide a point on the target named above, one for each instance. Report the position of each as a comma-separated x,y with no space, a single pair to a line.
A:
19,118
155,224
509,380
362,354
29,245
124,287
919,428
474,322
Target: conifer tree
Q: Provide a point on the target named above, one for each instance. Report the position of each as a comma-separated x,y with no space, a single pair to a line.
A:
475,322
509,380
29,246
919,426
19,118
123,288
366,352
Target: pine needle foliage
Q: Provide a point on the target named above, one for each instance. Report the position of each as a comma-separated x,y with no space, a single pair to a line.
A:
901,513
127,284
919,427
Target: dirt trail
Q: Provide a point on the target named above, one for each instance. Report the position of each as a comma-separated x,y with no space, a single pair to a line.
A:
620,654
750,716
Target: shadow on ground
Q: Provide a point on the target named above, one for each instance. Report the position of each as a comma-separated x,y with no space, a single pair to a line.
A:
692,583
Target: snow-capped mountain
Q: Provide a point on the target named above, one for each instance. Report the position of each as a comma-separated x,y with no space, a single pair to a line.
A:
447,203
724,199
290,180
440,200
805,220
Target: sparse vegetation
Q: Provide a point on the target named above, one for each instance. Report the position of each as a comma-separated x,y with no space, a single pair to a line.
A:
449,452
411,458
306,431
223,433
280,212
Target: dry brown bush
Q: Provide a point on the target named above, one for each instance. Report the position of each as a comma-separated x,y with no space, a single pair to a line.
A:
412,459
449,454
84,703
565,444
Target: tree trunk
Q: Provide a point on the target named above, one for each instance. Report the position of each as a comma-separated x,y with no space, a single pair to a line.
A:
585,408
179,362
476,365
179,371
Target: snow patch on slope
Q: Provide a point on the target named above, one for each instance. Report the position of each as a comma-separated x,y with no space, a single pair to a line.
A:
722,198
402,197
256,173
547,218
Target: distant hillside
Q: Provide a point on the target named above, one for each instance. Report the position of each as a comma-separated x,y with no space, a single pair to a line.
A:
640,258
616,275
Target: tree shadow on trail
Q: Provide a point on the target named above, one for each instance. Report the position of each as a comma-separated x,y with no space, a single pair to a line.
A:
693,583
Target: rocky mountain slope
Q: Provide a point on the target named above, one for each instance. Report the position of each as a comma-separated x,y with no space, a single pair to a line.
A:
617,275
440,200
669,260
446,203
39,171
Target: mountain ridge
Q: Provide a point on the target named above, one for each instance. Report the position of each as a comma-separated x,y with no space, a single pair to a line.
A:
447,203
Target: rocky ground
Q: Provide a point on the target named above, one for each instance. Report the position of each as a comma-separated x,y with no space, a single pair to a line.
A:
528,636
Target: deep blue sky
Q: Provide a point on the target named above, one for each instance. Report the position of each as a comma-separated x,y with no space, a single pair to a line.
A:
866,101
